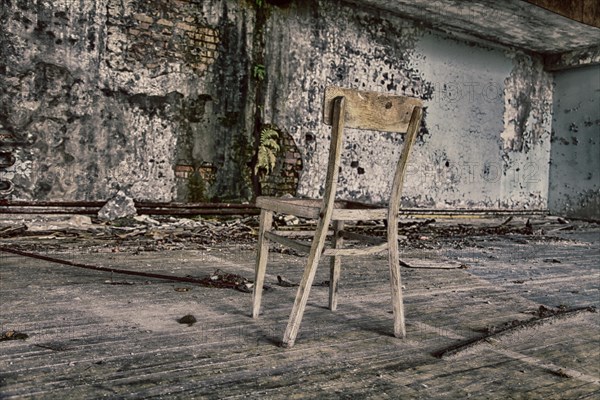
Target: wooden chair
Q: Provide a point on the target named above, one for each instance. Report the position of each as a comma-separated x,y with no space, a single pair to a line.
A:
351,109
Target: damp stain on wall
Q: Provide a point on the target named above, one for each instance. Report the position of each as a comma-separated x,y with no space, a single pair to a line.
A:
528,104
574,178
164,100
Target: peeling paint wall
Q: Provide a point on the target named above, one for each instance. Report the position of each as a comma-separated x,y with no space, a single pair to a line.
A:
575,166
485,139
122,94
163,99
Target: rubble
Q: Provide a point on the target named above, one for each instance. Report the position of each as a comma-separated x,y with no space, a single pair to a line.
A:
188,319
142,233
120,206
13,335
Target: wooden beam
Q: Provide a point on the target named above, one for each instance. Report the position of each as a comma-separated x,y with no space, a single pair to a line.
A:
572,59
591,13
584,11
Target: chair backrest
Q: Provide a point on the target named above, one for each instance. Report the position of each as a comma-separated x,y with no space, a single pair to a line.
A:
353,108
371,110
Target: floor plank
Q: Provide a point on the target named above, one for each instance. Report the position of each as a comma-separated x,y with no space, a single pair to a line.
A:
90,337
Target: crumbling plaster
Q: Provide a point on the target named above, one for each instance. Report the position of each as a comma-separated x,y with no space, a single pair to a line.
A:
574,176
112,94
485,139
123,94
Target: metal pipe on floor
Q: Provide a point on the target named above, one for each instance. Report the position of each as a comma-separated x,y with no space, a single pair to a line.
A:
203,282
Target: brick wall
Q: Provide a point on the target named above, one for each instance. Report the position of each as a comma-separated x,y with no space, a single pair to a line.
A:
286,174
170,31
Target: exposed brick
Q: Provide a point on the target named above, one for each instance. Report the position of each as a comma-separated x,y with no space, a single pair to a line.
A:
211,39
183,171
184,168
185,27
143,18
200,67
165,22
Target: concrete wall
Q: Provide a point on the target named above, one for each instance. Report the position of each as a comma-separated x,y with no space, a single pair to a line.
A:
147,97
485,140
575,166
166,101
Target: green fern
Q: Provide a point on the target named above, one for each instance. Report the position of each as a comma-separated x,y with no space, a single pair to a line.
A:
259,72
267,150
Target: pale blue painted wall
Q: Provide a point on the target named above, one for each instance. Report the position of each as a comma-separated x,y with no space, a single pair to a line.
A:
575,159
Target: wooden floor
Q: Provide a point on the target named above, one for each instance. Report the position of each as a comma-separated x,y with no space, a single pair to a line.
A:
92,335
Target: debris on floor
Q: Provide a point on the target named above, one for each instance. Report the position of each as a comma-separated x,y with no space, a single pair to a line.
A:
281,281
559,372
87,331
543,315
13,335
143,233
9,231
139,233
120,206
221,279
111,282
188,319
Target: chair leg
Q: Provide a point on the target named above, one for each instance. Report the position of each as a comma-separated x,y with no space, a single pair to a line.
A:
335,265
395,281
291,331
266,222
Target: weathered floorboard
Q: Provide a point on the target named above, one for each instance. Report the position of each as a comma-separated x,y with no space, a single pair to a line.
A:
90,338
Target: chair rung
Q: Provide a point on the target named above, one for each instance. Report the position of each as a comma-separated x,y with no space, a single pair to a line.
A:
356,251
363,238
288,242
292,233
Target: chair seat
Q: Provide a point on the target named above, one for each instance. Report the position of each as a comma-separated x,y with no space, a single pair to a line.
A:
311,208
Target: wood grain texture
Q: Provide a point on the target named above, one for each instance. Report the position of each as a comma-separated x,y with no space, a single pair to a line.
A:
265,225
335,264
310,208
591,13
356,251
585,11
355,109
392,223
371,110
318,243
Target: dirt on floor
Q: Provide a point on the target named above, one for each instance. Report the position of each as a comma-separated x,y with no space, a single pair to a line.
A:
495,308
145,233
